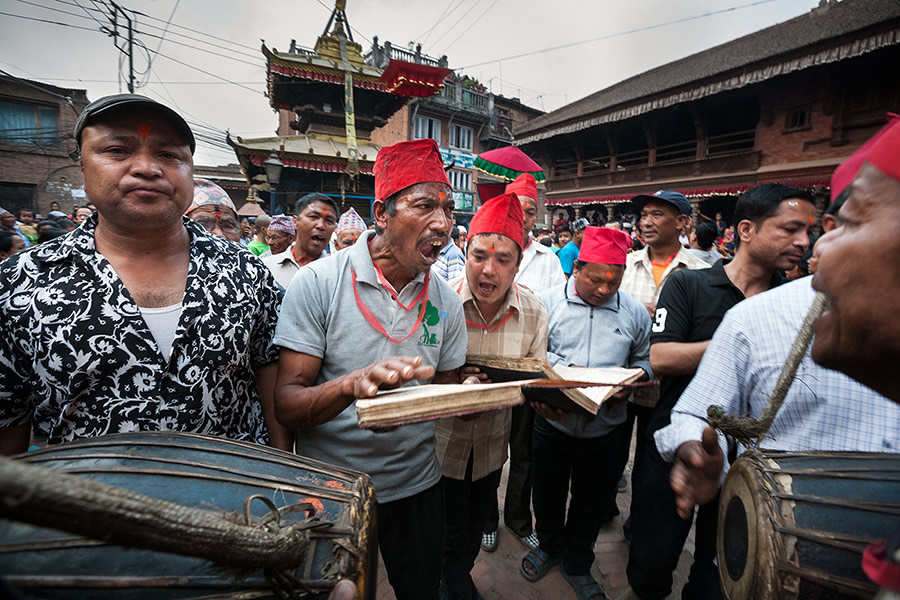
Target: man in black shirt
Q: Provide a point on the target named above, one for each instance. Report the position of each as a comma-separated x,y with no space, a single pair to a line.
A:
771,234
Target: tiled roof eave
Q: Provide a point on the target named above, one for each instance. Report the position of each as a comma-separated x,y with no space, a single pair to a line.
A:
750,76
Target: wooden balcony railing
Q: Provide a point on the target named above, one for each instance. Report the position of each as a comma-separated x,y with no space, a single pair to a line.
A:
590,166
676,152
730,143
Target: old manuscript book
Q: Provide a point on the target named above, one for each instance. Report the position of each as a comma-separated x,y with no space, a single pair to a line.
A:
574,389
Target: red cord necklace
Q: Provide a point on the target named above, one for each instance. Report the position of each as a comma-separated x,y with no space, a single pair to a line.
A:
370,317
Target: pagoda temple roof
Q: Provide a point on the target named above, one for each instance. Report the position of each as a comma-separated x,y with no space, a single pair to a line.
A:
312,152
327,68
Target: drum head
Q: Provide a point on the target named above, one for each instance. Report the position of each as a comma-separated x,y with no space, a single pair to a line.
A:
741,538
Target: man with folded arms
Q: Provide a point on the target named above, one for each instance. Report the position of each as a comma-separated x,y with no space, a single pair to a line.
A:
372,317
502,319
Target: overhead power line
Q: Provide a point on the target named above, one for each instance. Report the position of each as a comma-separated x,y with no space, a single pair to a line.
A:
27,18
619,34
255,91
89,14
217,54
353,29
452,27
196,31
165,30
448,10
469,29
59,10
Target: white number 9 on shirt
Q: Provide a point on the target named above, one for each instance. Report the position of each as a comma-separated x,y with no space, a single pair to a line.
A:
659,322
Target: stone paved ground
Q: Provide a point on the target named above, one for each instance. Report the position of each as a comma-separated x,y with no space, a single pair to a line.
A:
497,577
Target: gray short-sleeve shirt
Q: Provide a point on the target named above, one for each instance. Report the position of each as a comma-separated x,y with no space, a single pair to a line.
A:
320,317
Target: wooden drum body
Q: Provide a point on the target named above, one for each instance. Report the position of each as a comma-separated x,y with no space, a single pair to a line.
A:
203,472
795,525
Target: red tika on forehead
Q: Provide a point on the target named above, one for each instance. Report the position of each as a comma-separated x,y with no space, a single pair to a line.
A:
144,130
604,246
407,163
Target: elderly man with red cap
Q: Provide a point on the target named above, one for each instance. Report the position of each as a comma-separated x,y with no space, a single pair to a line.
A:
540,269
369,318
856,337
592,324
502,319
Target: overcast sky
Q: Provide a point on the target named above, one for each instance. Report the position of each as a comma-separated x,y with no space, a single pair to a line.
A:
480,37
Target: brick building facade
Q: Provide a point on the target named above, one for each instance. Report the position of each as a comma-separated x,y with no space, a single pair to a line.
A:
36,146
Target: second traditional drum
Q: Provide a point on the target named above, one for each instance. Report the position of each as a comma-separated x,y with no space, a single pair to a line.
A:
795,525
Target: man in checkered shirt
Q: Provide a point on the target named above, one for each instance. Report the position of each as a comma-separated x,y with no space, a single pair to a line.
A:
502,319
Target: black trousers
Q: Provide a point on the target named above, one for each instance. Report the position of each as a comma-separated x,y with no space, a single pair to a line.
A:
658,535
589,465
517,503
642,415
468,504
411,538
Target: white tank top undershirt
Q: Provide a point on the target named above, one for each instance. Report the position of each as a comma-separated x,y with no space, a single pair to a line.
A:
162,323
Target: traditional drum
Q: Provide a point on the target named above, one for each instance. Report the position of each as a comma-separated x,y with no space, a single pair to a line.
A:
794,525
334,508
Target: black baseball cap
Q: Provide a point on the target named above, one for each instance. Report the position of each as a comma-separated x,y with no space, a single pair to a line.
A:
676,199
107,103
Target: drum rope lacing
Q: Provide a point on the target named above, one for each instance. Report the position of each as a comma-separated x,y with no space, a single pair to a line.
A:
749,431
82,506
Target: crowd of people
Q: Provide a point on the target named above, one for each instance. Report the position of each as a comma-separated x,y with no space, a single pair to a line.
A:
162,309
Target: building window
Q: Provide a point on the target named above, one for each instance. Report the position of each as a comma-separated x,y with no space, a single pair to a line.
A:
426,127
461,137
797,118
460,180
25,123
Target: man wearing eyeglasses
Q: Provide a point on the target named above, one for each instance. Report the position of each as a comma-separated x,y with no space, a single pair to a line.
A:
214,210
146,321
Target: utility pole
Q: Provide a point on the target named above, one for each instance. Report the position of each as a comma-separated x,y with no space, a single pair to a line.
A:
113,19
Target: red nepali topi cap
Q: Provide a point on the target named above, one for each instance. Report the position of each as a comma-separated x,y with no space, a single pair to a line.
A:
885,152
847,170
524,185
501,215
407,163
605,246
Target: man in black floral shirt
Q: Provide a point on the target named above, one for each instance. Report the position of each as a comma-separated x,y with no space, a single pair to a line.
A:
139,320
